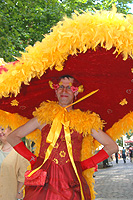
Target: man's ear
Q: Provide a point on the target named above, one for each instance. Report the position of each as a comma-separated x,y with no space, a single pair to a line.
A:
56,93
76,94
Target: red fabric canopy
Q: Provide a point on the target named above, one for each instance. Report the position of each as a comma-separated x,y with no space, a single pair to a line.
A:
101,69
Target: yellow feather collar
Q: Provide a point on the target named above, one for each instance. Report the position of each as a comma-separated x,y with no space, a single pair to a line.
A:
80,121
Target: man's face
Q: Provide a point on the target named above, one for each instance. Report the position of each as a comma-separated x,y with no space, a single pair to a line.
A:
64,93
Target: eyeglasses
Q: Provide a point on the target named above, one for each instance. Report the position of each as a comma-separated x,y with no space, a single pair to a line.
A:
62,87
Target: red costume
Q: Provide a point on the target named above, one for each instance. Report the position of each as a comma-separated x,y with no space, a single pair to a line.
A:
61,182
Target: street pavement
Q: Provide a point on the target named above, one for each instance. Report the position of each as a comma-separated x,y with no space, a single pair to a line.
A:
115,182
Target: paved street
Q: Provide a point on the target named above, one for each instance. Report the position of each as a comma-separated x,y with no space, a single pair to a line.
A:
115,182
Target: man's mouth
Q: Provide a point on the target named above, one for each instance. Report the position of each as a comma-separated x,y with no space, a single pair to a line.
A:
63,95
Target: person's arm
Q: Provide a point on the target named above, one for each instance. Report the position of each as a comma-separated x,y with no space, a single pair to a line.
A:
15,139
110,145
109,148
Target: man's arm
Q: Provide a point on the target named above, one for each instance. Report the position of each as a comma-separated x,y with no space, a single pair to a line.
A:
109,148
109,145
15,137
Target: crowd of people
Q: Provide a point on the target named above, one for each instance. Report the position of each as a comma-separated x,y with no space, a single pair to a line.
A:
125,153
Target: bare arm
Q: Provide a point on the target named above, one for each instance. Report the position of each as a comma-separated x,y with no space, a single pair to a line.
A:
15,137
109,148
109,145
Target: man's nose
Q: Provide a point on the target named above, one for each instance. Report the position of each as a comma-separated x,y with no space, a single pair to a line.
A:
64,89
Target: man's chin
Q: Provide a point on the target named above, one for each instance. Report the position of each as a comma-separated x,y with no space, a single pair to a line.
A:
64,103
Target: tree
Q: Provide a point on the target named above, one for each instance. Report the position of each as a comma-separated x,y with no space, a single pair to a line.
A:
129,135
23,22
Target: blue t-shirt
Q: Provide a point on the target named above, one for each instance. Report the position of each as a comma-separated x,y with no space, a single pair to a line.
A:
123,151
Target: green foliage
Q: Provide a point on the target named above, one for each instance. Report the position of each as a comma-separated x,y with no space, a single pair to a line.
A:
23,22
129,135
122,6
120,142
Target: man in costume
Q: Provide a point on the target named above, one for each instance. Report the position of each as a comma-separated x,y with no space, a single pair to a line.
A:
95,48
62,143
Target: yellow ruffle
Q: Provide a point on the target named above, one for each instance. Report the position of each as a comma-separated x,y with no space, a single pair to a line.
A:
13,120
70,36
121,127
48,110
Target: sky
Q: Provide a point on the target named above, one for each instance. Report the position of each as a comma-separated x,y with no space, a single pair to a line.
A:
131,6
